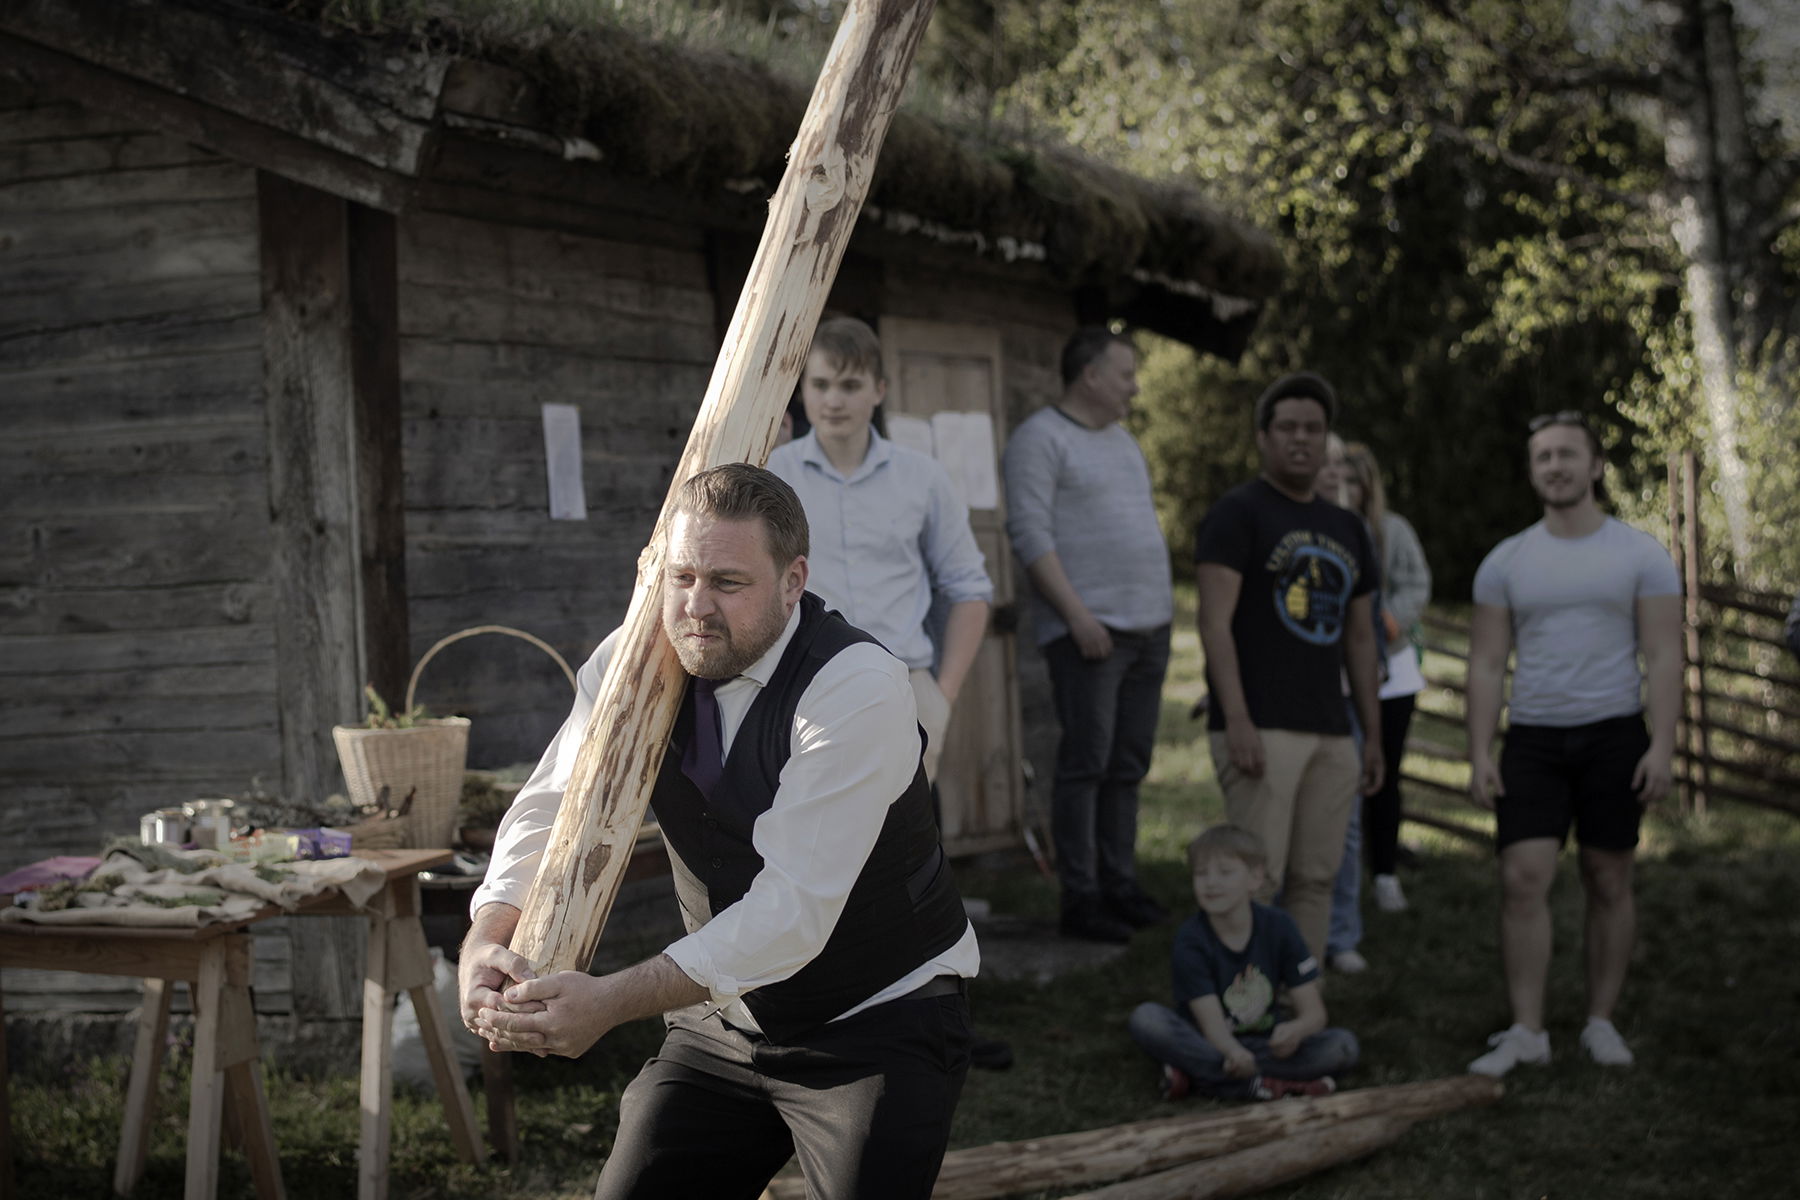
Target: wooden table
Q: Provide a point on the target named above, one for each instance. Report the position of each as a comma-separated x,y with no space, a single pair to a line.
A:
214,962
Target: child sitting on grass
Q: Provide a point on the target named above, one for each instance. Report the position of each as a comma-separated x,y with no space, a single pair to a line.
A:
1223,1038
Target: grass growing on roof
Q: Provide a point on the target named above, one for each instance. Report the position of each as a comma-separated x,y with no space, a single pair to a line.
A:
1709,1008
705,96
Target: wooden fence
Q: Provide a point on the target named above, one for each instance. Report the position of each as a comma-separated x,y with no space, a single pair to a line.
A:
1739,735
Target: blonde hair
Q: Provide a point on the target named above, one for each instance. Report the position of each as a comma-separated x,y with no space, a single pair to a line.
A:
1360,461
1230,840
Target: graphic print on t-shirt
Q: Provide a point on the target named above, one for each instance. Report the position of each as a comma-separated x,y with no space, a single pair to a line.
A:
1313,578
1250,1001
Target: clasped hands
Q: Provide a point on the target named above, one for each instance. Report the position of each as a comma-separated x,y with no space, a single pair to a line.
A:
504,1002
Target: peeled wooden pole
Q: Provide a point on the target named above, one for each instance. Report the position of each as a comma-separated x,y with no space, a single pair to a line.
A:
1066,1160
1246,1172
810,221
1094,1155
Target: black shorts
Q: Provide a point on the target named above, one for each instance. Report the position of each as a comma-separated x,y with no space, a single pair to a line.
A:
1556,776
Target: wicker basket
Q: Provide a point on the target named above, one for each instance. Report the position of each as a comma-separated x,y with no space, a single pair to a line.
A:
427,760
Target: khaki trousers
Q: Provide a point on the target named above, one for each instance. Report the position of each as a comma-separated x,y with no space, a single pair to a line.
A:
1299,807
934,716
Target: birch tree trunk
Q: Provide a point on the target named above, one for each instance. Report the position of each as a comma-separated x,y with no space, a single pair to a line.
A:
1699,221
810,221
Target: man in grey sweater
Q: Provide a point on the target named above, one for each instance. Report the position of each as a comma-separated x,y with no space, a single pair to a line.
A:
1081,519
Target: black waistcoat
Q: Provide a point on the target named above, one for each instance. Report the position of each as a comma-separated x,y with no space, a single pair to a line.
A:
903,909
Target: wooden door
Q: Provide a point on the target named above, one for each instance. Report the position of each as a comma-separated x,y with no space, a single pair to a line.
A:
945,397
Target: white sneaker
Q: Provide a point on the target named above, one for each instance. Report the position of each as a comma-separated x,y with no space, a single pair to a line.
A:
1347,962
1512,1047
1604,1045
1388,896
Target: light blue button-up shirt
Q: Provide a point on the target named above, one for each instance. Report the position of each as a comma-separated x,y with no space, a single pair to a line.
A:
885,540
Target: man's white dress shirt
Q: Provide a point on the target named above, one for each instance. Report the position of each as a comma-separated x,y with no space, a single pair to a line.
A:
855,747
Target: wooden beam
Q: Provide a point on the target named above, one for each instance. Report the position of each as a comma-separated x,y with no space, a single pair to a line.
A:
1247,1172
493,93
373,99
1068,1160
810,221
310,396
53,73
1699,736
492,180
380,472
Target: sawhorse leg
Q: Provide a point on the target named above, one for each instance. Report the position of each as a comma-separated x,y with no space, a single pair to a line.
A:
248,1104
6,1159
140,1092
225,1059
503,1118
398,960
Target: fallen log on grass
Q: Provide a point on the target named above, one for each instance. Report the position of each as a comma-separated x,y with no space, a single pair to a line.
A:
1122,1151
1245,1172
1066,1160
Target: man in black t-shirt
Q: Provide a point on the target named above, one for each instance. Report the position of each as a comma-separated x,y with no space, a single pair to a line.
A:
1286,584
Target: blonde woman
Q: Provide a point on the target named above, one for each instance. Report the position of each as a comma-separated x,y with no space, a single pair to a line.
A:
1405,590
1344,934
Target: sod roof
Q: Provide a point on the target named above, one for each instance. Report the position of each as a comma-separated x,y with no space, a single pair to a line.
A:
704,120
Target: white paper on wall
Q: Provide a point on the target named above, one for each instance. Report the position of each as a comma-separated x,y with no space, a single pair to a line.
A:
562,460
912,432
965,446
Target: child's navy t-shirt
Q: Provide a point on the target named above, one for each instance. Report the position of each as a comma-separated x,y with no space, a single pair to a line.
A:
1245,981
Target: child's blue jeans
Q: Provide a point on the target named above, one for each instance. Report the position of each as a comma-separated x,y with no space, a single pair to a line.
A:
1169,1037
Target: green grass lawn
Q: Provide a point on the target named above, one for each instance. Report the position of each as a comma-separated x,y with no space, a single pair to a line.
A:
1712,1009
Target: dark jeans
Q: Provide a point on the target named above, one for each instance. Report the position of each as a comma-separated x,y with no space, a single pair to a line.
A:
865,1103
1381,812
1171,1038
1108,710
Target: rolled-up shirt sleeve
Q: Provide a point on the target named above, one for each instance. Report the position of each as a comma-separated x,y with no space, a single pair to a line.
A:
524,832
855,748
952,558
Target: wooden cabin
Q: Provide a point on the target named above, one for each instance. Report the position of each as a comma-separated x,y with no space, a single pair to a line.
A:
282,305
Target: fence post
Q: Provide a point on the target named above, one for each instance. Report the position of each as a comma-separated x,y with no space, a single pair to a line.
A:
1684,735
1699,735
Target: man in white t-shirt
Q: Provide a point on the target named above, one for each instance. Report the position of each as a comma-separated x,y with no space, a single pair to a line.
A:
1579,595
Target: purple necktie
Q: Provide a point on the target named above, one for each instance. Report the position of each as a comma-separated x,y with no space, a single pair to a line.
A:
703,761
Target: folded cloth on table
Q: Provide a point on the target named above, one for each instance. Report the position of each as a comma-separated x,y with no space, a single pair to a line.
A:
125,891
47,871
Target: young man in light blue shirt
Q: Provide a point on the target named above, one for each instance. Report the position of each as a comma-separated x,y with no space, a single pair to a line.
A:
889,533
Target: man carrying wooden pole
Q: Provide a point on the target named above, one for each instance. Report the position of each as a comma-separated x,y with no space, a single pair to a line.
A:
817,1004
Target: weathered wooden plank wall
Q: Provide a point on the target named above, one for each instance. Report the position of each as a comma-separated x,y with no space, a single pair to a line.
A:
136,642
497,320
136,649
1034,322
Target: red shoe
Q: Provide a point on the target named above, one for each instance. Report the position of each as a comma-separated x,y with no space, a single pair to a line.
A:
1175,1083
1269,1088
